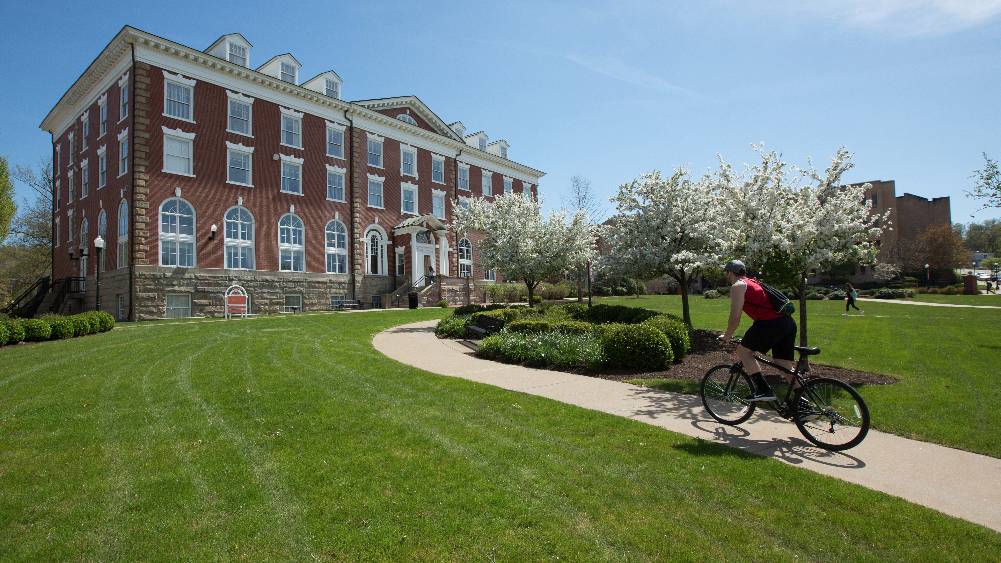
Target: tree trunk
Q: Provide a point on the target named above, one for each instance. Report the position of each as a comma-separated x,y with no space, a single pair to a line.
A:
802,315
531,291
580,284
686,312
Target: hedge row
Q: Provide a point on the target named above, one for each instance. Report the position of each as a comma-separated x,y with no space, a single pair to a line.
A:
54,327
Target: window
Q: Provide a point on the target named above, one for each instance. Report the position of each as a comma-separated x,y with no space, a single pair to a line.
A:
487,183
59,159
438,169
69,225
291,175
874,200
503,151
401,263
84,179
438,204
58,233
123,234
102,167
178,306
331,88
103,113
177,233
84,247
72,148
178,97
465,258
237,54
239,115
178,152
123,98
239,169
490,275
337,248
59,193
464,177
335,183
375,252
123,152
288,72
292,130
239,239
291,246
293,303
335,140
84,131
375,151
406,118
526,190
408,198
120,298
408,161
375,192
508,185
483,143
70,188
102,231
464,202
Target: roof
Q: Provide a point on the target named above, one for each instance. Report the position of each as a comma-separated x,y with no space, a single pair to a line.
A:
325,73
429,222
225,37
419,107
266,63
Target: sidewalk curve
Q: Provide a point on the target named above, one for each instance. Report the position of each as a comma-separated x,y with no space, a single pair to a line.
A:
927,303
962,484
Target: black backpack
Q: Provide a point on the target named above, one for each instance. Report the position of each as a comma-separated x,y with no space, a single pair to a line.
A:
780,302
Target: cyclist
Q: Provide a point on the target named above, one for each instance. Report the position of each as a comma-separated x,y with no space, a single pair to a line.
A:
771,330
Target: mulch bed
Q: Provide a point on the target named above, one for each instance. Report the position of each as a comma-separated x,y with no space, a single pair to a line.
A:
708,352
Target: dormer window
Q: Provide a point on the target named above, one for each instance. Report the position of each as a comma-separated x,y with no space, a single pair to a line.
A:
406,118
237,54
483,143
332,89
503,151
288,72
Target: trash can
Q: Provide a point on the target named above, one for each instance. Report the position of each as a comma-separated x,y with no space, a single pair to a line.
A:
412,298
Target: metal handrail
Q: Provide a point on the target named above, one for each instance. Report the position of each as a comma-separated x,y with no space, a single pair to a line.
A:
32,293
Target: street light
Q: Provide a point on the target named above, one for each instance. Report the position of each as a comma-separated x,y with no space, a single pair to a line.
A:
927,276
99,245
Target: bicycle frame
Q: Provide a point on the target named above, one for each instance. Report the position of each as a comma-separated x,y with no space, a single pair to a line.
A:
798,378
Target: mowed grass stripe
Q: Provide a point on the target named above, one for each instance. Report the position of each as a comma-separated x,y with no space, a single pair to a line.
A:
378,460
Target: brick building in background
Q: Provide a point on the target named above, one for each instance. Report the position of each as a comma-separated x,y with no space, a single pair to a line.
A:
200,172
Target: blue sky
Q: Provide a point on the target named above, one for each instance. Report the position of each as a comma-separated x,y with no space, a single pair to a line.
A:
602,90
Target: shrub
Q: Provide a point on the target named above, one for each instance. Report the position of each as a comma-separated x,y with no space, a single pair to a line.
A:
15,331
552,349
62,327
4,333
106,322
636,347
574,311
554,291
815,296
711,294
887,293
453,327
36,330
535,299
81,326
835,295
508,314
618,314
474,308
529,326
536,326
910,281
443,303
675,331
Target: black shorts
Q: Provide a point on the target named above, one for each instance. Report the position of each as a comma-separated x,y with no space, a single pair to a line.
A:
777,335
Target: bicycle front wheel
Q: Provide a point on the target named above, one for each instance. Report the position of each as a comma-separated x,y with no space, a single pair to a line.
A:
725,390
831,414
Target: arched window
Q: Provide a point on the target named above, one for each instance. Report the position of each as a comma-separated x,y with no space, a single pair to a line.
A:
375,251
465,258
291,244
84,247
177,233
239,239
123,234
102,231
406,119
337,248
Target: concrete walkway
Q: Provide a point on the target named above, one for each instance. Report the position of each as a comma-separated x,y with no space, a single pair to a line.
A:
958,483
927,303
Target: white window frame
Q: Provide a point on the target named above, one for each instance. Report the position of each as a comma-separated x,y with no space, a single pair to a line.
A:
178,238
184,138
437,159
337,249
239,242
69,225
244,151
464,202
381,257
291,161
71,147
381,182
180,82
122,254
102,231
59,194
102,166
123,97
482,143
70,188
335,128
404,188
436,196
337,88
336,171
59,158
294,74
487,183
230,54
123,152
490,274
291,246
401,263
236,97
57,237
466,262
294,118
120,306
167,308
85,177
407,149
102,116
375,140
508,185
84,130
463,180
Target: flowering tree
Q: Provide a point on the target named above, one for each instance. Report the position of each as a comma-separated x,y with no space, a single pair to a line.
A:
987,183
794,220
669,226
521,243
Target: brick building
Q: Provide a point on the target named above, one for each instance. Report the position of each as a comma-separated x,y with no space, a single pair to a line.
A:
200,172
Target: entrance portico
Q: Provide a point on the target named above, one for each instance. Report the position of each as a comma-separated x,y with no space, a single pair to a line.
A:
425,237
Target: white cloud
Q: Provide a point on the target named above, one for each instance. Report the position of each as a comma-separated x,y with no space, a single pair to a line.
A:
906,17
617,69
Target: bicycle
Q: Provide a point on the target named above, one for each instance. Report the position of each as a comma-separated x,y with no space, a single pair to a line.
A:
828,412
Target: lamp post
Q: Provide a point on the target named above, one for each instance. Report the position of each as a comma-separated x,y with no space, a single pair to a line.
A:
927,276
99,245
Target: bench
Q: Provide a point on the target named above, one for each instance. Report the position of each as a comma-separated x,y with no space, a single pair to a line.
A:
485,325
341,304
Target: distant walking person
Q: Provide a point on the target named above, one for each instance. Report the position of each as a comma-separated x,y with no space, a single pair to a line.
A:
850,296
430,274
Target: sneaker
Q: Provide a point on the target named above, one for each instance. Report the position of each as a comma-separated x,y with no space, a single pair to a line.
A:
861,313
844,314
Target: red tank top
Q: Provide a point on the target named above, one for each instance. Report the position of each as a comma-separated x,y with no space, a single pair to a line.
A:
756,302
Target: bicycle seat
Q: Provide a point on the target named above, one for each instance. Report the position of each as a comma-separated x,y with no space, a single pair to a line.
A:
808,351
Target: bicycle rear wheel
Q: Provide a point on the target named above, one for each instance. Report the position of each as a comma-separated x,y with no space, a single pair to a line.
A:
724,392
831,414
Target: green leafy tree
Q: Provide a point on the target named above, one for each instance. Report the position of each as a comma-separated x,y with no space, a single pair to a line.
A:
987,183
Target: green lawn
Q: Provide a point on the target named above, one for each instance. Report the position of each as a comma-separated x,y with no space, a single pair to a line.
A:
946,359
993,300
291,438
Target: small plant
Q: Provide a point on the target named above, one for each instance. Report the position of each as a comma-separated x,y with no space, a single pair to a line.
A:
676,332
711,294
552,349
15,331
453,327
36,330
443,303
